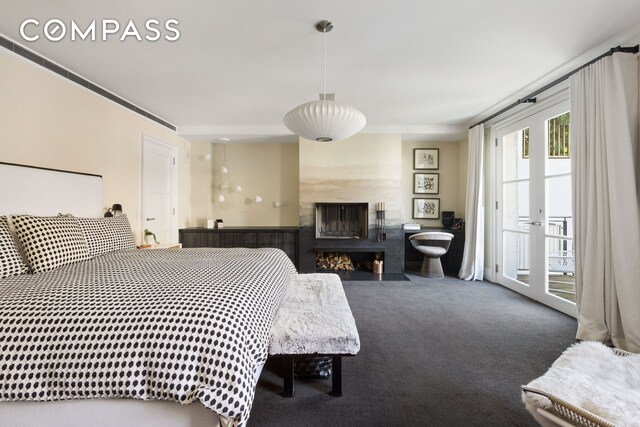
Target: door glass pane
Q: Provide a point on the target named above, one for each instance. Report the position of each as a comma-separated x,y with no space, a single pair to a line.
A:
561,269
516,262
515,206
558,136
515,155
559,221
558,150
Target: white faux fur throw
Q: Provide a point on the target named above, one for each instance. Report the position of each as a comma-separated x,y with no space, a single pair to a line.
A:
314,318
591,376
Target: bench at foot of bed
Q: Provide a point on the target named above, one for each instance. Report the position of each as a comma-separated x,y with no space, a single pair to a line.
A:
314,319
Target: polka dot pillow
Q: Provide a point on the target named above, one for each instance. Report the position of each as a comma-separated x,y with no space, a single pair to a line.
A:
107,234
51,242
10,260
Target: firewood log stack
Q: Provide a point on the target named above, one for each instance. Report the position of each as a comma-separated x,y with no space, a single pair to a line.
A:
334,261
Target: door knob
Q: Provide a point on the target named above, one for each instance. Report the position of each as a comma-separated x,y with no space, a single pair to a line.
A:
536,223
150,219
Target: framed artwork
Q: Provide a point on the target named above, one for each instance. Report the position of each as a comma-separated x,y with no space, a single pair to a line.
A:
426,158
426,208
426,183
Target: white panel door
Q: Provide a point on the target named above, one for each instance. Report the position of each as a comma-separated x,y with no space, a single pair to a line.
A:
159,190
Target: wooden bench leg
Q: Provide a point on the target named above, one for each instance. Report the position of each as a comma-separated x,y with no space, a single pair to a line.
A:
287,369
336,376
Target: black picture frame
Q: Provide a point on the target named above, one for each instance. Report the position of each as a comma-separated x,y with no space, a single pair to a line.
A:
426,183
426,208
426,158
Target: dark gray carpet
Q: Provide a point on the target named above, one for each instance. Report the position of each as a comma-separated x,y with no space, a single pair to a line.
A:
359,276
434,353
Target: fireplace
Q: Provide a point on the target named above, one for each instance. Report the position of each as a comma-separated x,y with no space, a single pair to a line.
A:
342,220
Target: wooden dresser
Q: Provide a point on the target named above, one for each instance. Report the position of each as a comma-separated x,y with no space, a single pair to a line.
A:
285,238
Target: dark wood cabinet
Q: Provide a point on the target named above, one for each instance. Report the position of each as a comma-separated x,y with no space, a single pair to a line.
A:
451,261
285,238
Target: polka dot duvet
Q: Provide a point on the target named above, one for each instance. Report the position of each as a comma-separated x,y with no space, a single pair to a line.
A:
184,325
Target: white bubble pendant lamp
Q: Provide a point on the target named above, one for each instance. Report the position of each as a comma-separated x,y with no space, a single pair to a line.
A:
325,120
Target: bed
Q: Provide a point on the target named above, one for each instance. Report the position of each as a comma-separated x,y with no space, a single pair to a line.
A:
133,337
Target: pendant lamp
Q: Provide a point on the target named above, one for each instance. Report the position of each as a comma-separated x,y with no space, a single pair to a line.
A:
325,120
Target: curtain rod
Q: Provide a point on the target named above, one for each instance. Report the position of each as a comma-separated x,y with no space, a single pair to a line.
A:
530,99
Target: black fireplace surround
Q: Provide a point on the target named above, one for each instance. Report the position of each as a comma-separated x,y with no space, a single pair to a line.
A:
344,227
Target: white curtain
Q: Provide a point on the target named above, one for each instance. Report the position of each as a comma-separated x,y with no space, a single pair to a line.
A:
606,204
473,258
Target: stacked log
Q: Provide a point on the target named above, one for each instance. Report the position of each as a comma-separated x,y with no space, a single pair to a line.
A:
334,261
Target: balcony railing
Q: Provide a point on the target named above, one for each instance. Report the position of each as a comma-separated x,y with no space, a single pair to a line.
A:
561,258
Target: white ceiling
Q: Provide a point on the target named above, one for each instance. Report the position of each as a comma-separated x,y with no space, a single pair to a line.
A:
425,69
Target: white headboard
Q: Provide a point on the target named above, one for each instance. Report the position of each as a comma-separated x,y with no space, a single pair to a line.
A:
41,191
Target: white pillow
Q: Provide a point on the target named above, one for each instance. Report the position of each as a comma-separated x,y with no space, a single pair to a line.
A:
51,241
107,234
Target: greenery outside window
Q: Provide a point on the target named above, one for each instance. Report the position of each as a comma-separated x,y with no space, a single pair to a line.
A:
525,143
557,138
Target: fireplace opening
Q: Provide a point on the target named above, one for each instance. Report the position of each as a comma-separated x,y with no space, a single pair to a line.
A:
342,220
347,261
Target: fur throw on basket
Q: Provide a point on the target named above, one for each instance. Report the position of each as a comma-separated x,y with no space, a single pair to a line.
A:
590,375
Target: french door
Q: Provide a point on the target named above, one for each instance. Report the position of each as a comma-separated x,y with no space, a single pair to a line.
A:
534,218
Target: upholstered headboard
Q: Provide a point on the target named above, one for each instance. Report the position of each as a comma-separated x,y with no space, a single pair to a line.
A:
41,191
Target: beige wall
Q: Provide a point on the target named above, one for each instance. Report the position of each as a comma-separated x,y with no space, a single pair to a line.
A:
452,175
201,187
268,170
49,121
368,168
363,168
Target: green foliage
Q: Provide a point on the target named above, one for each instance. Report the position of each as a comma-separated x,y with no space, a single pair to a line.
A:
557,138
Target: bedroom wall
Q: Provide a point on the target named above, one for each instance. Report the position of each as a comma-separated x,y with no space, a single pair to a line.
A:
452,175
49,121
268,170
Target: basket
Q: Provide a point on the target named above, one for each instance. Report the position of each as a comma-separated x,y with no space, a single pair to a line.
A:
312,367
572,413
